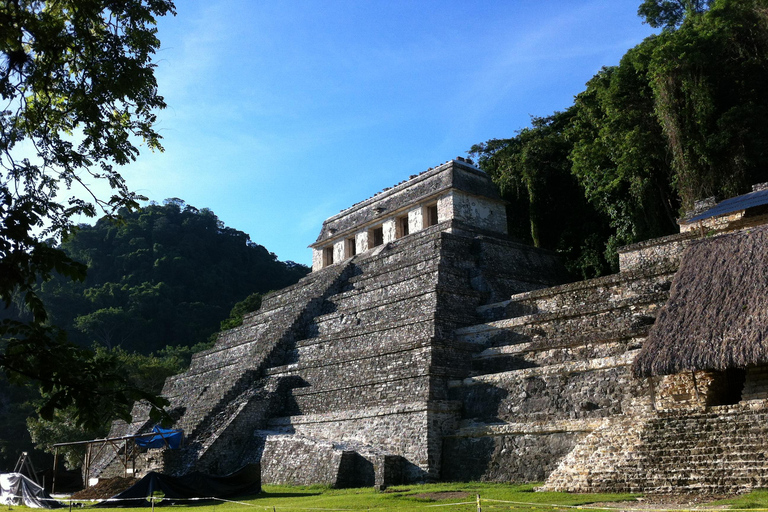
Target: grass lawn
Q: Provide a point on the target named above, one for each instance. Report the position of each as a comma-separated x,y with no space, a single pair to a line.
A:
449,497
445,497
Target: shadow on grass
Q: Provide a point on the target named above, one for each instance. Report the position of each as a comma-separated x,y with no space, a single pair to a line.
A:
266,494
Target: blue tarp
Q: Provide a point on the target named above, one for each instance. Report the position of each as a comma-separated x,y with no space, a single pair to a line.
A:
164,436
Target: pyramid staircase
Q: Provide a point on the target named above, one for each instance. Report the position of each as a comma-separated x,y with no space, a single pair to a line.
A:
719,450
227,378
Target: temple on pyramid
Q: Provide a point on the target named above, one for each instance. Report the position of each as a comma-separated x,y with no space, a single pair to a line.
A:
426,345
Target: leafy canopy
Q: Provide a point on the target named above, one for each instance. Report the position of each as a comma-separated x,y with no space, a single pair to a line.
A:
78,92
682,117
669,14
147,373
166,275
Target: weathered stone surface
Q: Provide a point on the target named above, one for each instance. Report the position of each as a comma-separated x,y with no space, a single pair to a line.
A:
505,458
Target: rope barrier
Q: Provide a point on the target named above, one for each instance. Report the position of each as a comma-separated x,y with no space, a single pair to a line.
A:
486,501
626,509
450,504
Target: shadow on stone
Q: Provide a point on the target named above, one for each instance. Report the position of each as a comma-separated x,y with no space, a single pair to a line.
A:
355,471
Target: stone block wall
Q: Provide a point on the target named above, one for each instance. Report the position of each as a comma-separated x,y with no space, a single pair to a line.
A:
683,391
645,255
457,190
525,457
756,383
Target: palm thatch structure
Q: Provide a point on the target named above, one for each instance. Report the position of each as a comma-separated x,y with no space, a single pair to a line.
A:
717,314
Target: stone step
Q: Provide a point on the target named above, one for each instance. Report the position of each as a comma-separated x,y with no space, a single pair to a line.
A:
419,251
424,271
530,354
570,367
476,429
219,375
602,290
593,389
385,391
287,297
723,449
412,280
396,254
416,305
546,329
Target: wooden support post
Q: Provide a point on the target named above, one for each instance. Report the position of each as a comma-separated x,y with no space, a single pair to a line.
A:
695,387
87,465
133,457
55,469
652,384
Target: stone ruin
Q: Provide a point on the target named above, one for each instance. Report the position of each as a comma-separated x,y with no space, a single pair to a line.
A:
426,345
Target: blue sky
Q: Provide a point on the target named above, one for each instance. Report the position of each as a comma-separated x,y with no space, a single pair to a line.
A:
281,114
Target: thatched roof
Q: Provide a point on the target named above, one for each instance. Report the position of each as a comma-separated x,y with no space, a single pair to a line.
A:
717,314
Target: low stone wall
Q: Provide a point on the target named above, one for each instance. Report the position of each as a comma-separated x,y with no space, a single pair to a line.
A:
652,253
293,460
505,458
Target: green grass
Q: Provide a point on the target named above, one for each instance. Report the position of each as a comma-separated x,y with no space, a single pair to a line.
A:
406,498
494,497
757,499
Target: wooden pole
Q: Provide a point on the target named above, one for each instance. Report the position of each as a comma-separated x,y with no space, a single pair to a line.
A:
87,465
695,387
55,468
133,458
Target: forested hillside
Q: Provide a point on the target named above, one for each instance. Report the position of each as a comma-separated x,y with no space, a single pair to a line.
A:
161,281
683,116
164,275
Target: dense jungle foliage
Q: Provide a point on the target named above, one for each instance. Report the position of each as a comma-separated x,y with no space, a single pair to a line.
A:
683,116
161,282
164,275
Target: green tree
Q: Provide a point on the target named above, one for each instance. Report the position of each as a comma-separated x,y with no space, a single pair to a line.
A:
620,155
166,275
547,204
669,14
683,116
77,82
146,373
710,84
248,305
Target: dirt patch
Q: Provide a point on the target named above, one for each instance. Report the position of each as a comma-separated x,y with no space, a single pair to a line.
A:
666,501
105,489
445,495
